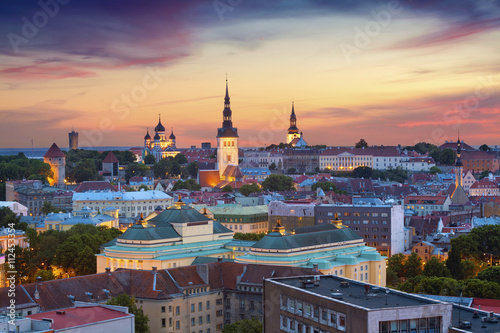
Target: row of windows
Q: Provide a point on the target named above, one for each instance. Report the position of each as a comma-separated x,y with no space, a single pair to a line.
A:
298,307
364,222
422,325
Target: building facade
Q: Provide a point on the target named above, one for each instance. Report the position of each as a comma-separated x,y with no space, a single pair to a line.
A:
381,226
301,159
330,249
173,238
333,304
290,215
131,204
34,199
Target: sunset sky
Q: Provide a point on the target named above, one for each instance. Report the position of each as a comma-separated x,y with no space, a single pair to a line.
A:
391,72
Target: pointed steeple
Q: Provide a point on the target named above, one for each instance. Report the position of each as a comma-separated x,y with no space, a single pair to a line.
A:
227,129
147,137
459,152
227,113
159,128
293,122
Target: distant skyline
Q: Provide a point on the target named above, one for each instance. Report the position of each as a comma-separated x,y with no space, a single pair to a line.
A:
391,72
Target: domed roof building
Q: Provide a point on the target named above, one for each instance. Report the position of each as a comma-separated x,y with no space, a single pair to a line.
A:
160,147
173,238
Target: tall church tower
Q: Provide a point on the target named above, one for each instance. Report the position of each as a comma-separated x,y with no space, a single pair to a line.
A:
57,161
459,165
227,138
293,131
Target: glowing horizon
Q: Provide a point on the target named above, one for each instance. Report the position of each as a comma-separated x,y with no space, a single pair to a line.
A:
391,72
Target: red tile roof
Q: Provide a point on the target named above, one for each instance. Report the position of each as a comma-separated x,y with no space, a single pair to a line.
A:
74,317
95,186
54,151
453,145
484,183
111,158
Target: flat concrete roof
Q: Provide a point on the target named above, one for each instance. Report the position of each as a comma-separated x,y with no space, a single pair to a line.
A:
355,293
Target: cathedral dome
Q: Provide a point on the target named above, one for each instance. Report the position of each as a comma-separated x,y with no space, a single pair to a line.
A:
159,127
172,136
147,137
157,136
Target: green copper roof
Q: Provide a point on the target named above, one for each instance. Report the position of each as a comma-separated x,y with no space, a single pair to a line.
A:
220,229
275,240
182,214
138,232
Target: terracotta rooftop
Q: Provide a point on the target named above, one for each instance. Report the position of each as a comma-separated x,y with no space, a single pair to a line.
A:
79,316
95,186
54,151
111,158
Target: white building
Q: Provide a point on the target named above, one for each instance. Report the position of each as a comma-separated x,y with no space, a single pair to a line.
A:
417,164
130,204
16,207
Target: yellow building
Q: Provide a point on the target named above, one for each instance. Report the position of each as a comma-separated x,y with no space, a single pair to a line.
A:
173,238
330,248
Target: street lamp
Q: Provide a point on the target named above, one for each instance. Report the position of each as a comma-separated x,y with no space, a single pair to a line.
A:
491,257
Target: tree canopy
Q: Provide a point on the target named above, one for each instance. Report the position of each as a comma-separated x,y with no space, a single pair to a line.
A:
244,326
141,320
361,144
248,189
278,183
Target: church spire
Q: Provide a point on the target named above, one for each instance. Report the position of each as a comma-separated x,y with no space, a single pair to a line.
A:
227,113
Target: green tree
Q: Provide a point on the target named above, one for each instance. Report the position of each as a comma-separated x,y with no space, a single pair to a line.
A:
84,170
141,320
86,262
484,174
291,170
189,184
362,172
434,267
9,218
448,157
361,144
454,263
327,186
397,264
181,159
391,277
484,147
45,275
273,166
143,187
41,169
491,274
48,207
469,269
3,195
248,189
149,159
434,170
192,169
227,188
136,169
413,266
278,183
244,326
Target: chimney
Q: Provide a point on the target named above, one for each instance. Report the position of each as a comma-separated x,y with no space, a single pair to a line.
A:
108,270
202,271
315,268
154,269
39,280
36,293
219,259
